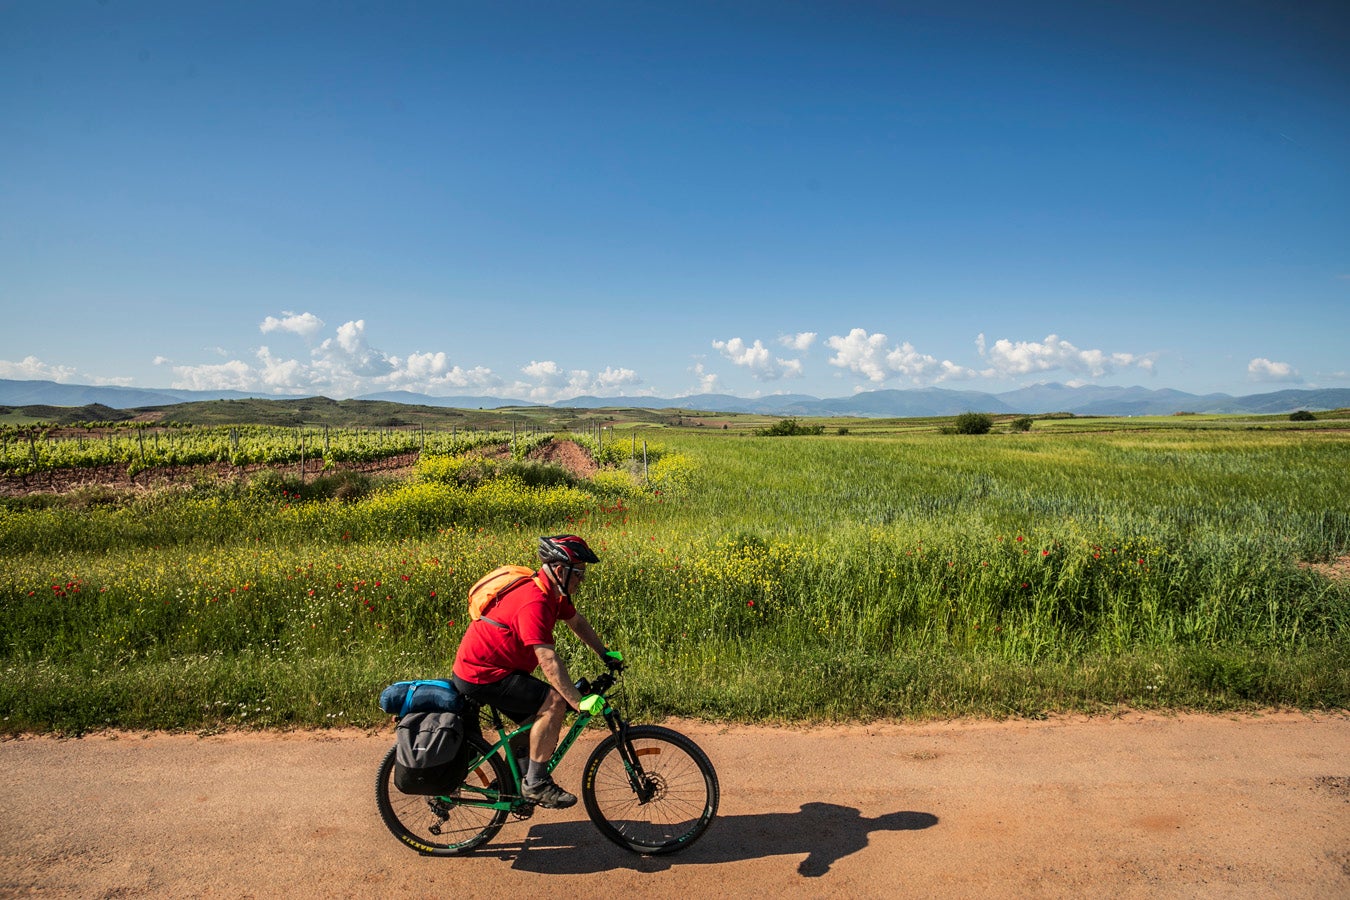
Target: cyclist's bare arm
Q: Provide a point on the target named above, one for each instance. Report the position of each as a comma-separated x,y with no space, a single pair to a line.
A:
581,627
555,671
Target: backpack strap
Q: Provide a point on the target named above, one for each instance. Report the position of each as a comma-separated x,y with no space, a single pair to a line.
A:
482,617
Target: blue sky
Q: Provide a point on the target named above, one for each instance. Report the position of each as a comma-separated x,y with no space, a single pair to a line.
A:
542,200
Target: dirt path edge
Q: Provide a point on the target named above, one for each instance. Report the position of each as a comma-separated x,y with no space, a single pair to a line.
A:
1141,805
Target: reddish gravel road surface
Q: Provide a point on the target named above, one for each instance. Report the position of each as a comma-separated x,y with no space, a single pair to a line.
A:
1136,806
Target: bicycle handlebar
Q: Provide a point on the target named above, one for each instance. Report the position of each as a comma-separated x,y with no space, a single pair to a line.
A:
599,685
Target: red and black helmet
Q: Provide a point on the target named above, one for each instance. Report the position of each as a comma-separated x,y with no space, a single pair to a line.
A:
567,549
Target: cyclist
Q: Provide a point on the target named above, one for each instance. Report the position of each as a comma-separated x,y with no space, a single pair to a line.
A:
500,651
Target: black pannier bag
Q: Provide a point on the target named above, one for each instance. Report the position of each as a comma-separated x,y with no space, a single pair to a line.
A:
431,755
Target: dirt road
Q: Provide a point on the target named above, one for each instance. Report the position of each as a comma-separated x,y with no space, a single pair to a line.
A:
1139,806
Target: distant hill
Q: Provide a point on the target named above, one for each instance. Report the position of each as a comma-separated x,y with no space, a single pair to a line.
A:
1089,400
50,393
1288,401
411,399
1094,400
909,404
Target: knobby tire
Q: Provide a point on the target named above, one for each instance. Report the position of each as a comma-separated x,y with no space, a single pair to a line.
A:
412,818
683,785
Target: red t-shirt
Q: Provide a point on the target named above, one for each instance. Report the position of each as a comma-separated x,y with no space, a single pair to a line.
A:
488,653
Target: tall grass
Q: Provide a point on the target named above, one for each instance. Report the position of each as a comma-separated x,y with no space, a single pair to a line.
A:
816,577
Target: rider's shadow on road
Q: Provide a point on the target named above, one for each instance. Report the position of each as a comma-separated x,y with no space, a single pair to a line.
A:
825,832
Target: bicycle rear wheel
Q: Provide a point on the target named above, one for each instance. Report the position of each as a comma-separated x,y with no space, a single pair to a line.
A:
670,807
444,826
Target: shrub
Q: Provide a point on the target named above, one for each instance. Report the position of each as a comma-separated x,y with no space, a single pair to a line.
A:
1302,416
789,428
671,474
539,474
464,471
1021,423
973,423
346,486
615,482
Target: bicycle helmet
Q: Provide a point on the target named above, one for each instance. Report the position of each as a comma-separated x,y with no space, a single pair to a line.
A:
567,549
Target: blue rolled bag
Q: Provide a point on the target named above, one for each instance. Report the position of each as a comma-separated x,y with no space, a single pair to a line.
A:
427,695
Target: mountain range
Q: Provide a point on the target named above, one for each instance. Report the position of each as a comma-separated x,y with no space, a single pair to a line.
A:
1088,400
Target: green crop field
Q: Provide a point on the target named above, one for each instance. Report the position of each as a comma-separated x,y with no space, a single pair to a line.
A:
892,572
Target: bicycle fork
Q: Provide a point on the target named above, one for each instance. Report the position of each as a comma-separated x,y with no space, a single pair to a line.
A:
638,779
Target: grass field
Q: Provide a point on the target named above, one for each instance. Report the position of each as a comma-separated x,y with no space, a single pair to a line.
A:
831,577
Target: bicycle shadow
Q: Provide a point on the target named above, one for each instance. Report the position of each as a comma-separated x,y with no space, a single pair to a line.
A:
825,832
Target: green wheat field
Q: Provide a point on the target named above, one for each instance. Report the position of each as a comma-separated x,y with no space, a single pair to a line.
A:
831,577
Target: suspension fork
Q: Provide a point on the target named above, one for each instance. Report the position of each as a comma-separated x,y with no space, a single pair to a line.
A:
637,778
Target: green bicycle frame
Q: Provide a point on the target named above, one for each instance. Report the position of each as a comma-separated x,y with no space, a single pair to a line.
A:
612,719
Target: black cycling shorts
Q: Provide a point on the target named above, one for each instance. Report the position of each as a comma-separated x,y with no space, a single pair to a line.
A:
519,695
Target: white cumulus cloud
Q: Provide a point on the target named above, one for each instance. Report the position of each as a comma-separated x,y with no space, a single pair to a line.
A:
612,378
860,352
347,359
306,325
801,341
1262,369
910,363
1009,358
707,381
30,368
431,373
345,364
549,382
546,372
281,375
478,377
763,365
235,375
872,356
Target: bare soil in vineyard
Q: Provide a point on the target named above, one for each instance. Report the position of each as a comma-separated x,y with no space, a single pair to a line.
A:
1337,568
1129,806
567,454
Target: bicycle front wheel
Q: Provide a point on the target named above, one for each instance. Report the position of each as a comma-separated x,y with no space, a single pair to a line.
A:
666,807
446,826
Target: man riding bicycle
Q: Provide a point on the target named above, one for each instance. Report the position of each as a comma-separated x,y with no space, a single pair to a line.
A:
501,649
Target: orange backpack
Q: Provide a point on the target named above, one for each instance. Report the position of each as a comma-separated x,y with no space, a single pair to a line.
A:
494,584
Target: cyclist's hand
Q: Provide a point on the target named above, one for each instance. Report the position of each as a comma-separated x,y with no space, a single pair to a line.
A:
613,660
592,704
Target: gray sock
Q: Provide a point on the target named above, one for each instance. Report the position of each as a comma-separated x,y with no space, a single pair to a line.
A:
537,773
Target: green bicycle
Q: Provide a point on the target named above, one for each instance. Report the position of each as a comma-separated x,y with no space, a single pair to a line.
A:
648,789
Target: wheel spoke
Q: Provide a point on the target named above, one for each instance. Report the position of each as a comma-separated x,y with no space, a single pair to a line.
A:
444,825
683,791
